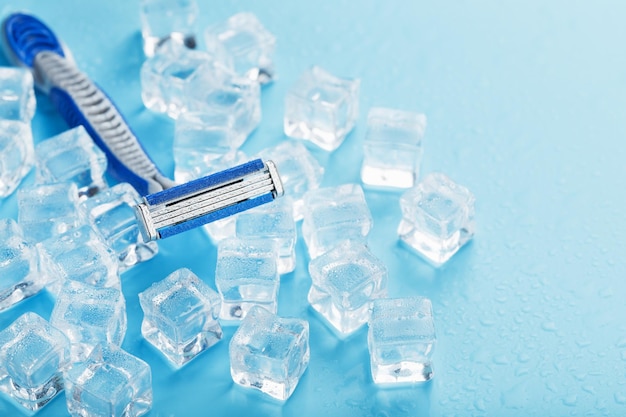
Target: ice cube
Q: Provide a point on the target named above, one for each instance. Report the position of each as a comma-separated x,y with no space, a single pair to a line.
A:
333,215
272,221
33,356
110,382
111,214
78,255
48,210
18,266
16,154
17,96
401,339
269,353
437,218
163,20
181,316
89,316
246,275
299,171
321,108
345,280
393,148
72,156
247,42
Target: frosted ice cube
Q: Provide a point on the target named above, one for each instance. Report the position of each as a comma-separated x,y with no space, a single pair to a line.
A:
215,89
401,339
333,215
78,255
321,108
48,210
89,316
247,42
163,20
345,280
72,156
33,356
437,218
18,266
16,154
299,171
272,221
392,148
110,382
17,96
246,275
111,214
181,316
269,353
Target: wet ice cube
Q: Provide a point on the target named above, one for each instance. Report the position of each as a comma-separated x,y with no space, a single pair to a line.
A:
110,382
247,42
17,96
89,316
333,215
18,266
16,154
345,280
111,214
437,218
246,275
393,148
401,339
321,108
33,356
299,171
48,210
163,20
269,353
181,316
272,221
72,156
78,255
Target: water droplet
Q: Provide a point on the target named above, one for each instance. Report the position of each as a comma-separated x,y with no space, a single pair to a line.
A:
620,398
549,326
570,400
523,357
500,360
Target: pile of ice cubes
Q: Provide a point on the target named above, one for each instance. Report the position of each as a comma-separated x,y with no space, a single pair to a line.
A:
75,235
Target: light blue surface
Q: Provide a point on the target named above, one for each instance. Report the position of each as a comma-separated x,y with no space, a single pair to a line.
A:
526,107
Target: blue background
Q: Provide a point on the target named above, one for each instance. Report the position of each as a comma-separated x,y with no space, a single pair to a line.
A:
525,106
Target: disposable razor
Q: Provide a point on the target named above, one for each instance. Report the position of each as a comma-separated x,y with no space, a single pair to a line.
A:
167,208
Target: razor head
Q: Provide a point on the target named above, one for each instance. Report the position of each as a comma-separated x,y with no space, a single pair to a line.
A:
208,199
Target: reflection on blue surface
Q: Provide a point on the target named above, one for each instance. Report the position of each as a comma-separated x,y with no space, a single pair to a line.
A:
525,102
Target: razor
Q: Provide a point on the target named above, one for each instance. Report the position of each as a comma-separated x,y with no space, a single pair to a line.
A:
167,209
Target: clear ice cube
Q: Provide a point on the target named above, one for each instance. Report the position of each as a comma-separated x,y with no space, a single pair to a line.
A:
163,20
89,316
33,356
437,218
246,275
48,210
78,255
299,171
110,382
249,44
269,353
16,154
392,148
272,221
18,266
72,156
111,214
181,316
321,108
17,96
345,280
333,215
401,339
